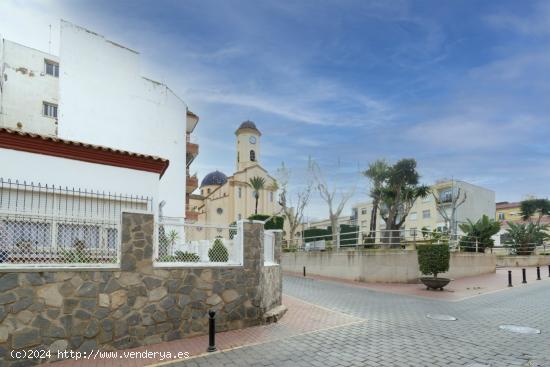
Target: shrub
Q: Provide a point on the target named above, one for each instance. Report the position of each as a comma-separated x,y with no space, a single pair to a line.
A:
277,222
218,253
187,256
316,234
479,232
433,259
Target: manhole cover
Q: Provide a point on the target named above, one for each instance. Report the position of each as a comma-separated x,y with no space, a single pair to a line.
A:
539,363
520,329
441,317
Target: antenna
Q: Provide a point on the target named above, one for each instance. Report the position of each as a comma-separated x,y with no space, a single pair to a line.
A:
50,40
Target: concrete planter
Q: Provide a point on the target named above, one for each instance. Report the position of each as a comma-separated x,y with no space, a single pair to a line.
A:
435,283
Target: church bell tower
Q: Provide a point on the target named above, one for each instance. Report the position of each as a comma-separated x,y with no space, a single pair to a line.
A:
248,145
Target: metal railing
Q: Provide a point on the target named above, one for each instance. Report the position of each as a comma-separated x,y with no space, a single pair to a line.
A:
408,239
45,226
185,244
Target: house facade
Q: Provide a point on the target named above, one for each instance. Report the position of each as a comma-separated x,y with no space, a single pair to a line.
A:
94,92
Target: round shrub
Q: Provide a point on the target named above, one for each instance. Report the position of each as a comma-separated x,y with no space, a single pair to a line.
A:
218,253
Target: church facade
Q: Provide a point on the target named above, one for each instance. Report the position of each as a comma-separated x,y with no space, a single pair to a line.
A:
226,199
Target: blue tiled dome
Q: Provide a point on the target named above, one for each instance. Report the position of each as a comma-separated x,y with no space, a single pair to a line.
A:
214,178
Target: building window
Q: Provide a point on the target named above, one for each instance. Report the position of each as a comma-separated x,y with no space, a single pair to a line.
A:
219,211
446,196
501,216
426,214
49,109
240,192
208,191
252,156
52,68
271,196
239,217
238,157
412,216
364,211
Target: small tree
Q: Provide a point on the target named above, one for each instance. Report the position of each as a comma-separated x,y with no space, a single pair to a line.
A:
292,206
457,199
433,259
218,252
525,237
397,193
377,173
535,207
257,184
478,235
335,204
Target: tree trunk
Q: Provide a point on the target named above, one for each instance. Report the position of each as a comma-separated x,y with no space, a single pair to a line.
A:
334,227
256,209
373,218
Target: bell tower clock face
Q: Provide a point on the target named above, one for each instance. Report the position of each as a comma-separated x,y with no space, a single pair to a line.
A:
252,140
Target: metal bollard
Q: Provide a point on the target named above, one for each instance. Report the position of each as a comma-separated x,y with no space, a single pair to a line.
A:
538,272
524,276
510,278
211,331
304,271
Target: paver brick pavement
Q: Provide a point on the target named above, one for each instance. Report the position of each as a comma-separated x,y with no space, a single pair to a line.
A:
397,332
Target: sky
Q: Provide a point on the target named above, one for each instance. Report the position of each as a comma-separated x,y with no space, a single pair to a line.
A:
461,86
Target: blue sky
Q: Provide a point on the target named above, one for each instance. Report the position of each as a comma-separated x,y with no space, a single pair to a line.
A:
462,86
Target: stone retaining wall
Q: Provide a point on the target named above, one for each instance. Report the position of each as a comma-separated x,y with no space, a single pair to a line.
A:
523,261
136,305
382,266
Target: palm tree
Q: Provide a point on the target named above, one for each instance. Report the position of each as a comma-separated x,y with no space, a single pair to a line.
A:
377,173
257,183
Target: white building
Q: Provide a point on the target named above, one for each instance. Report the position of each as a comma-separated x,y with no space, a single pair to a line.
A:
29,89
425,214
94,93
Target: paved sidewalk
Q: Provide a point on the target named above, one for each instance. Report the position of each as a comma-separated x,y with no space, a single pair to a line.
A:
398,333
457,290
301,318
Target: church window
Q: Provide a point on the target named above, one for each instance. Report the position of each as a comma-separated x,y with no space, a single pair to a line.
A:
271,196
238,157
239,217
240,192
208,191
252,155
219,211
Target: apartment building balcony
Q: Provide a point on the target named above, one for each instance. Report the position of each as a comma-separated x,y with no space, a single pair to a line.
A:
192,152
191,215
191,184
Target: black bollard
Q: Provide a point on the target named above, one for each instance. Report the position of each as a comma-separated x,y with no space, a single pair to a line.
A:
304,271
524,276
510,278
538,272
211,331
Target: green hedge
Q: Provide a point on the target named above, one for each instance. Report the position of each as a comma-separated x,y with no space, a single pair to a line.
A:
433,259
277,222
348,234
316,234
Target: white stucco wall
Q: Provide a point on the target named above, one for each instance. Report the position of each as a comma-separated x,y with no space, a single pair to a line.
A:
104,100
37,168
480,201
25,86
